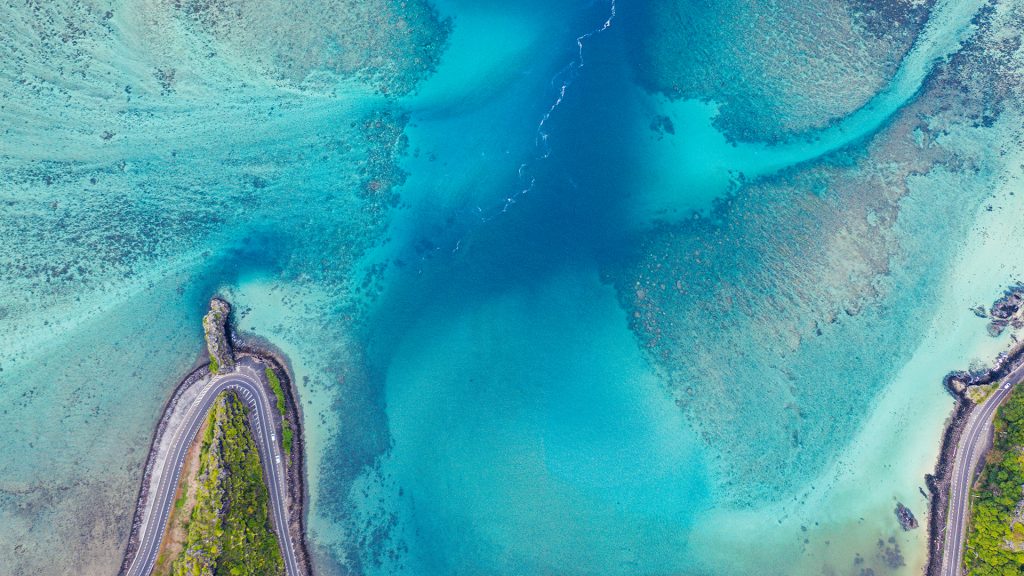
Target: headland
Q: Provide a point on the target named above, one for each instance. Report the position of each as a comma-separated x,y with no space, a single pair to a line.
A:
258,376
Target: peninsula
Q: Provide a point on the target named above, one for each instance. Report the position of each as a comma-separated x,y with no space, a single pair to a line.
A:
223,489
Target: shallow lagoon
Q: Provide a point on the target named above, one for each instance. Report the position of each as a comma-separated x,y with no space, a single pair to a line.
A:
474,282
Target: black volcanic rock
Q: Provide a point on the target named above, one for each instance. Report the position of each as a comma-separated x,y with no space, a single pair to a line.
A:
1010,302
1007,310
222,358
905,516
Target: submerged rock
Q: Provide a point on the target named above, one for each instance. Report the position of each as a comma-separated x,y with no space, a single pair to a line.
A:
905,516
1007,310
996,327
1009,303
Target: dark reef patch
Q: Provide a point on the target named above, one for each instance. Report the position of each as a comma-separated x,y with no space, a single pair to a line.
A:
732,53
389,44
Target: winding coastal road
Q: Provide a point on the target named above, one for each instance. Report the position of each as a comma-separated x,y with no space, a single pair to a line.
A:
972,446
246,381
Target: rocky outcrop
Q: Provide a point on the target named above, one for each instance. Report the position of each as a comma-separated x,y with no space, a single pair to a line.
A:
1007,310
222,358
959,381
905,517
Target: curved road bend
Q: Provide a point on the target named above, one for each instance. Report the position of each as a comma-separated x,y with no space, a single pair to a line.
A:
972,446
247,384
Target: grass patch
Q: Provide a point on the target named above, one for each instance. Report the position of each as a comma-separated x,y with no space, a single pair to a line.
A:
275,383
995,535
979,394
286,438
286,428
184,496
214,367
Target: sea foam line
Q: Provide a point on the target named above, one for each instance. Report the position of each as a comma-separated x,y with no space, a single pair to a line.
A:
570,72
566,75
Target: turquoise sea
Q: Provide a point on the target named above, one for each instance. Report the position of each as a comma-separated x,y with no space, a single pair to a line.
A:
569,287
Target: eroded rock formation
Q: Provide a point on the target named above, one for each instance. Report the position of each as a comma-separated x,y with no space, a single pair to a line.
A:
222,358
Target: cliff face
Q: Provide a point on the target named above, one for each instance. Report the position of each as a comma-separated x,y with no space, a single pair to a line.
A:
222,358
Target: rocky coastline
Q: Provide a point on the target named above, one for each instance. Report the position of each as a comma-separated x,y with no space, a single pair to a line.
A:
938,483
1007,310
220,332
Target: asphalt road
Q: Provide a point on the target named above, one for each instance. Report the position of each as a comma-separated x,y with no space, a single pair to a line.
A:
973,444
245,381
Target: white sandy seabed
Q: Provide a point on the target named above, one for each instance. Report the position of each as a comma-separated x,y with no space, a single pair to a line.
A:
900,440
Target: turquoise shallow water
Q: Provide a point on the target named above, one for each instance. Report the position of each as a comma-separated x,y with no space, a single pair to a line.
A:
573,288
547,427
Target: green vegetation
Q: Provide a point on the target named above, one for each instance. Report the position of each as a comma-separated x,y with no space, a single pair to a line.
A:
184,496
214,367
229,530
275,383
995,537
979,394
286,438
286,428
